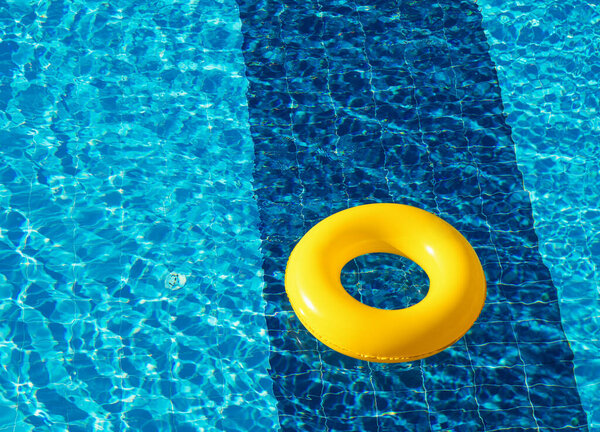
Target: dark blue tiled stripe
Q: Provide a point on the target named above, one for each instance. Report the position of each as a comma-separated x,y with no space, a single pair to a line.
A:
352,103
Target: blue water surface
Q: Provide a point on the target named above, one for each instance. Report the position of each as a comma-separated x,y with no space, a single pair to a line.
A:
130,258
552,101
360,102
160,160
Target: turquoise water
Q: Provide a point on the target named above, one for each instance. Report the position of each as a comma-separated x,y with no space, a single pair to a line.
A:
160,160
550,95
130,276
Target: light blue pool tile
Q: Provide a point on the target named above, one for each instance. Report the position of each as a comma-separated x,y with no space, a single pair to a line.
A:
551,100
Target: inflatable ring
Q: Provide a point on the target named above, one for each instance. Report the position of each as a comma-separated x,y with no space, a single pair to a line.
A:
456,295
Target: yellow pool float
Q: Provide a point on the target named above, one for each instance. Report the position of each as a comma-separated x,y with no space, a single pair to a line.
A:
456,295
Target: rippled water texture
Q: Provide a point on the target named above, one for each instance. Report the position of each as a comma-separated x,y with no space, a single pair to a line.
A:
358,102
159,161
552,100
130,276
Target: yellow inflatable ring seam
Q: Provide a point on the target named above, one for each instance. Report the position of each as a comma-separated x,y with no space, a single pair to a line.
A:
368,357
455,298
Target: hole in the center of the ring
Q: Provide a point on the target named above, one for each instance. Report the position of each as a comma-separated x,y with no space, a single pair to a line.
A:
385,281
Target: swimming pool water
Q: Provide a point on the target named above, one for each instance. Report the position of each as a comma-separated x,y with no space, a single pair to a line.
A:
131,275
551,96
160,160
